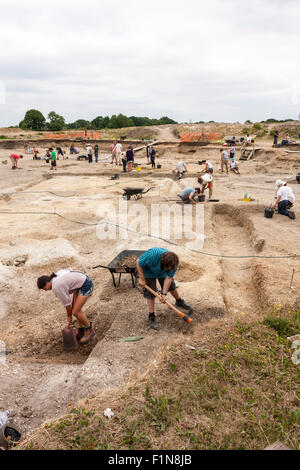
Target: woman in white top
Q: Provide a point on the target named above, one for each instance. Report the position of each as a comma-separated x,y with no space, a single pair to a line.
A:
64,283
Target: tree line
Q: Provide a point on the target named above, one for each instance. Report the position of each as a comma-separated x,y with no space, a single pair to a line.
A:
35,120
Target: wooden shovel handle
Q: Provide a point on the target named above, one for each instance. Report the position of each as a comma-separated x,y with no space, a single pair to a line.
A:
182,315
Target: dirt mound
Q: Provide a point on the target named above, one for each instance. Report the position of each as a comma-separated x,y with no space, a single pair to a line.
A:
188,272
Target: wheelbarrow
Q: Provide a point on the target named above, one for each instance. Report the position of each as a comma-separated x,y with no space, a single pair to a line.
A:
137,193
116,267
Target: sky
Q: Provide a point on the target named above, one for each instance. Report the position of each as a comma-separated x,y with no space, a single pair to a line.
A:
225,61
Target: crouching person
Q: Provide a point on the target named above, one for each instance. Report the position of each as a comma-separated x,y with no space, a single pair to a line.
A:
161,264
285,199
66,282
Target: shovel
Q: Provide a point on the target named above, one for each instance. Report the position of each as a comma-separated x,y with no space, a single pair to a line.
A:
69,339
185,317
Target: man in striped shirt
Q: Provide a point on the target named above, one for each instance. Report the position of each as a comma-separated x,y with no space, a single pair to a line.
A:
161,264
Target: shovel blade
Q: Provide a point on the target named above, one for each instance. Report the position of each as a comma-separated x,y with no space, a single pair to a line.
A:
69,339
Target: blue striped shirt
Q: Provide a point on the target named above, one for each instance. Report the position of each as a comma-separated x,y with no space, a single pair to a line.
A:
150,261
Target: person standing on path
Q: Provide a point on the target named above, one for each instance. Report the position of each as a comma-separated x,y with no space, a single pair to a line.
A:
113,151
90,153
276,135
124,162
148,153
64,283
152,156
118,153
232,151
96,151
129,158
53,159
224,160
161,264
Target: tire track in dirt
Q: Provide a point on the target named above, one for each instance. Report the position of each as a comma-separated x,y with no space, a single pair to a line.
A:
234,237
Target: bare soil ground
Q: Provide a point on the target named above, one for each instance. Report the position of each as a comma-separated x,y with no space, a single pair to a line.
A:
39,379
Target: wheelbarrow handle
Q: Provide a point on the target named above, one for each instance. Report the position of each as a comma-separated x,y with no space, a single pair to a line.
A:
152,187
182,315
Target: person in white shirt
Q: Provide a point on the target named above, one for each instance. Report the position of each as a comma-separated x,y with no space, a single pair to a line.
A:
206,182
118,153
249,140
224,160
181,169
285,199
208,167
234,166
90,153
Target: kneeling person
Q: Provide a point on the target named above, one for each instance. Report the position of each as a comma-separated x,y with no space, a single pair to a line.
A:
188,195
161,264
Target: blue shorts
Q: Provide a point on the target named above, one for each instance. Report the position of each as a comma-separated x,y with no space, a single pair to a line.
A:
87,288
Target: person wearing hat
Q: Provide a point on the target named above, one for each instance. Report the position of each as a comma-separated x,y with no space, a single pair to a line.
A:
234,166
285,199
206,182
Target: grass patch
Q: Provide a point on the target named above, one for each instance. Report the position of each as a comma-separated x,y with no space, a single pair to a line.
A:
285,325
237,392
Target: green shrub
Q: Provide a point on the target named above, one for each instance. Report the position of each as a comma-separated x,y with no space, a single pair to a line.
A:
281,325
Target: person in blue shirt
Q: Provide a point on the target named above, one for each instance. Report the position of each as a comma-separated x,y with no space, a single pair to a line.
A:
161,264
187,195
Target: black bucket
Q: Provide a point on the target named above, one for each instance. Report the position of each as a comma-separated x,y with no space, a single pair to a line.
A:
9,435
201,197
269,212
298,178
158,166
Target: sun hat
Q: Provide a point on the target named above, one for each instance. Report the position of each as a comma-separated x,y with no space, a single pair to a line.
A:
280,183
207,178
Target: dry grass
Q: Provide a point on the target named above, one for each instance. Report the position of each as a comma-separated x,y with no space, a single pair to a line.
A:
236,390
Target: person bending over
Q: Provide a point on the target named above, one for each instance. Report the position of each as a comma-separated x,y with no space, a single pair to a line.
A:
161,264
64,283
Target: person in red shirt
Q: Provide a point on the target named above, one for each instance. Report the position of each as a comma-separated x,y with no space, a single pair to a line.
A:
14,160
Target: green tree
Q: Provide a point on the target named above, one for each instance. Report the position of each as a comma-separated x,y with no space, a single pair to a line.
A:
98,123
56,122
33,120
80,124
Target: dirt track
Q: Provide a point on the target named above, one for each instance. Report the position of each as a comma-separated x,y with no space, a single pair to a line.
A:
39,378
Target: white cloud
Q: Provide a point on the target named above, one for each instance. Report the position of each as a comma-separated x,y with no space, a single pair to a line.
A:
196,60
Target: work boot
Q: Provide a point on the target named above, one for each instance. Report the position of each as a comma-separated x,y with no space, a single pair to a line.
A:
153,322
89,333
79,333
180,303
292,215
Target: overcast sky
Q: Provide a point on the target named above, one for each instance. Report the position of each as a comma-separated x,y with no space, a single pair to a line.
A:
190,60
